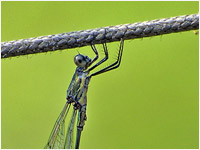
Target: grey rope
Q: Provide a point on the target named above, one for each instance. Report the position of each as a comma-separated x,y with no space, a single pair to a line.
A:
99,35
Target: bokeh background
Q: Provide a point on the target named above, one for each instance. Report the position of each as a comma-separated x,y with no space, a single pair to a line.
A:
151,101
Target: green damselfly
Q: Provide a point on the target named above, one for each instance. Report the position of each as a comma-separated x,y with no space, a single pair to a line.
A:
77,96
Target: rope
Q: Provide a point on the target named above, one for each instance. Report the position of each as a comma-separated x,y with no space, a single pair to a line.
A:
99,35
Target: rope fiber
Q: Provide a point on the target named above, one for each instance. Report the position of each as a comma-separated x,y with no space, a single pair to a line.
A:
99,35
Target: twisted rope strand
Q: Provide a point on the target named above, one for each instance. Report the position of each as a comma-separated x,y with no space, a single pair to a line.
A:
99,35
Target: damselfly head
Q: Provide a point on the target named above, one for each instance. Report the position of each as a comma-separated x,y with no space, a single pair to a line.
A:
82,61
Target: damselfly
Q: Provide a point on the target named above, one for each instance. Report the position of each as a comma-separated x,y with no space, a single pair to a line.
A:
77,96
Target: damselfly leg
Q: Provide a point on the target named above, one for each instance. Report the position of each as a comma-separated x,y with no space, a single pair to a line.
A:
115,64
103,60
96,52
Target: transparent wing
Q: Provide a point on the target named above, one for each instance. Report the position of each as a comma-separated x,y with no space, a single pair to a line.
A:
56,138
69,144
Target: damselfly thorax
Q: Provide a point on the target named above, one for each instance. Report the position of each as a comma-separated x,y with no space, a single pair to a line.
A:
77,90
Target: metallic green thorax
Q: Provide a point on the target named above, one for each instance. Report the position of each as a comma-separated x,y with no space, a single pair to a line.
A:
77,94
78,87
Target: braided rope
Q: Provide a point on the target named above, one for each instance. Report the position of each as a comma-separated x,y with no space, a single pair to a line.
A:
99,35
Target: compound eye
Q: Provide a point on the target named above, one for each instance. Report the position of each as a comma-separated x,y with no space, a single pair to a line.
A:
80,60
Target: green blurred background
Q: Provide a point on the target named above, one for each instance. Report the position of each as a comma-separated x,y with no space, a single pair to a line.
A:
151,101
